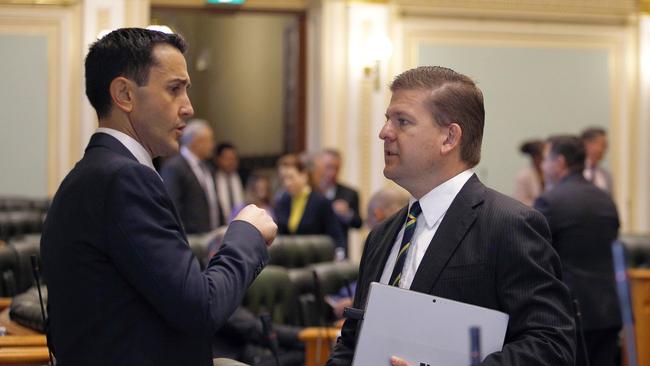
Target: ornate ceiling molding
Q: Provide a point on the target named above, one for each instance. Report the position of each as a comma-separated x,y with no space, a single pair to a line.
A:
587,11
39,2
294,5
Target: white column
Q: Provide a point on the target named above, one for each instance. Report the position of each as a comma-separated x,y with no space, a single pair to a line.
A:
641,160
99,15
348,92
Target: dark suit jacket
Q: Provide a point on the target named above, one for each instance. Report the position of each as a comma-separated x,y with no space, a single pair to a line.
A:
124,286
187,194
489,251
584,223
350,196
318,218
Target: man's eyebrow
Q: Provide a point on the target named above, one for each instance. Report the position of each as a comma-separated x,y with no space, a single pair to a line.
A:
395,113
181,81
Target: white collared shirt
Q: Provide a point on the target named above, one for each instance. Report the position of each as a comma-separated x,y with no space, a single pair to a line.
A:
131,144
229,185
434,206
597,176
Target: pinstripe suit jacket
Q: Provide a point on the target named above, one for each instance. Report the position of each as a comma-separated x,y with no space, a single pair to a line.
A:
489,251
124,286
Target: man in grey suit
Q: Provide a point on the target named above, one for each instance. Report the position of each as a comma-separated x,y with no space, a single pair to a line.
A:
345,200
189,181
461,240
584,223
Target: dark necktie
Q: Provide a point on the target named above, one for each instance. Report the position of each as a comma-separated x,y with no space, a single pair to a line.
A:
229,187
406,243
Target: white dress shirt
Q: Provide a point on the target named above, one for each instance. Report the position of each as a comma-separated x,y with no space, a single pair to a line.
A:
434,206
599,177
132,145
229,185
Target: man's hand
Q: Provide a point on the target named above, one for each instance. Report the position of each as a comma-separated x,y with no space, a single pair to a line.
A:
396,361
261,220
342,208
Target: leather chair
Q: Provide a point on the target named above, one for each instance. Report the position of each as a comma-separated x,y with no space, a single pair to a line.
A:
8,270
25,309
25,246
294,251
15,264
332,276
13,203
273,292
637,250
16,223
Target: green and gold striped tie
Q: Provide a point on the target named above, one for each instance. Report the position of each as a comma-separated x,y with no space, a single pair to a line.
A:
409,229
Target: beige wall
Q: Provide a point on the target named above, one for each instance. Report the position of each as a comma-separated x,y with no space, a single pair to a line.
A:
340,98
67,27
236,65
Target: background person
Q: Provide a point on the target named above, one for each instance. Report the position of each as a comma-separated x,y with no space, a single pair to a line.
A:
529,182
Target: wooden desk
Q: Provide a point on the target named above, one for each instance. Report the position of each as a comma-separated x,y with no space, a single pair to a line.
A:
23,341
24,356
5,302
21,346
640,289
14,328
318,344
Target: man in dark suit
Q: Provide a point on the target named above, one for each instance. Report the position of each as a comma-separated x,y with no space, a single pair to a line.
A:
124,287
595,142
462,240
189,180
345,200
584,222
228,178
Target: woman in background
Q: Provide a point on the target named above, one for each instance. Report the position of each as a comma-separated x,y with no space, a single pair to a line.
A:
529,182
258,192
300,210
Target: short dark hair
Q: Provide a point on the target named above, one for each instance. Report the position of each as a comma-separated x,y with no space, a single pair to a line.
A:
223,146
126,52
454,98
591,133
534,148
571,148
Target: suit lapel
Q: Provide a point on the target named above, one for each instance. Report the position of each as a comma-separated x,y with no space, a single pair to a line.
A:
457,221
190,172
387,240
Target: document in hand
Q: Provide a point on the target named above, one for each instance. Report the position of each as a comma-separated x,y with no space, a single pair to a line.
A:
423,329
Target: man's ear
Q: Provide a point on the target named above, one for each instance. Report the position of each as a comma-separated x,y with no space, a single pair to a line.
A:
454,134
379,214
562,161
122,93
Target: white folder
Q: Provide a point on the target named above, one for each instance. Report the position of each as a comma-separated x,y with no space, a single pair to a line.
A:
424,329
